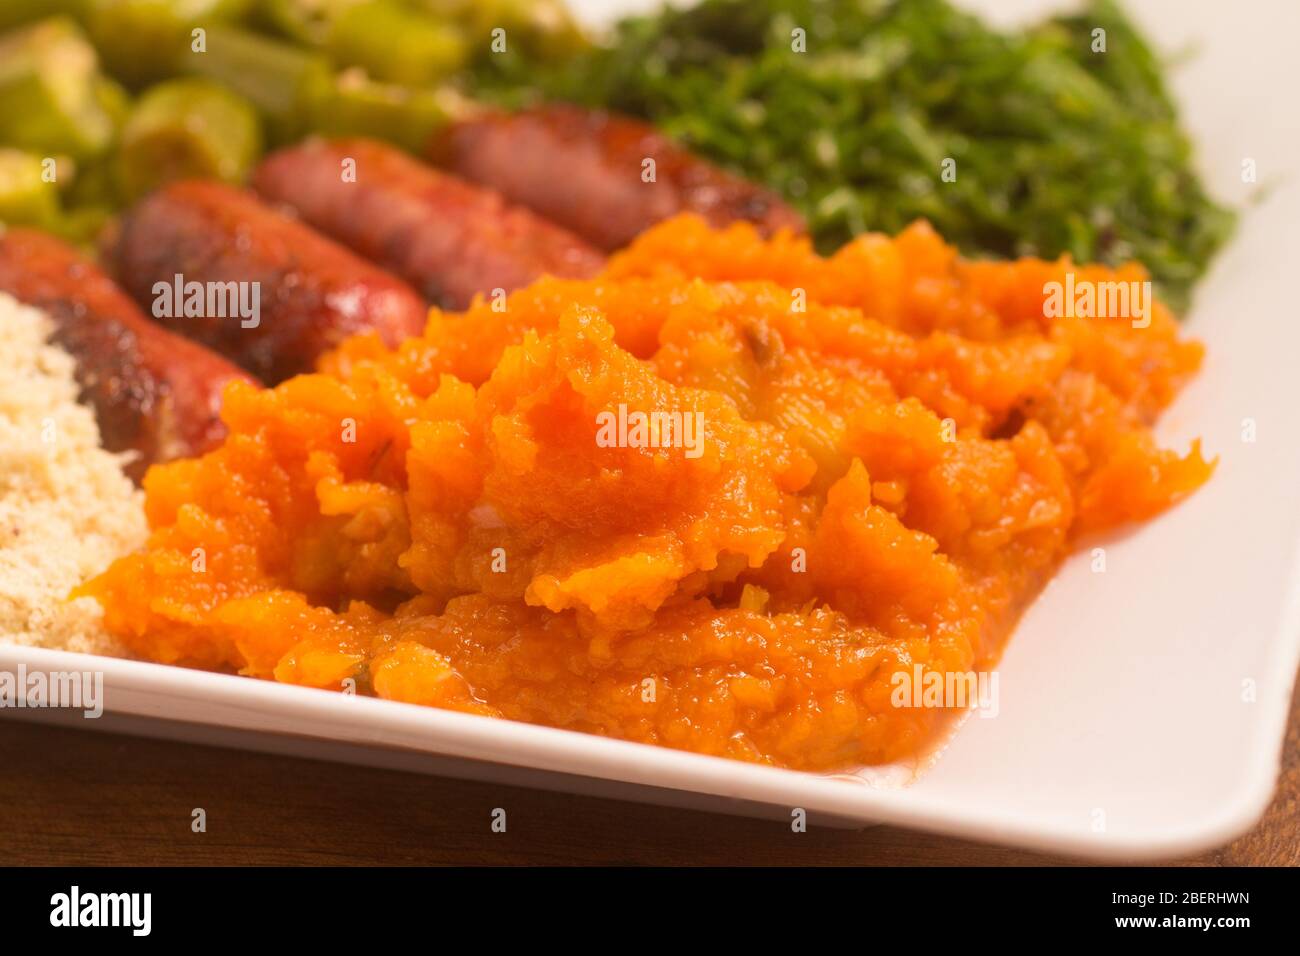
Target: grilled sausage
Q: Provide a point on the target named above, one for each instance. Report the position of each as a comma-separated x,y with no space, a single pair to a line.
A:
213,262
587,171
154,393
448,238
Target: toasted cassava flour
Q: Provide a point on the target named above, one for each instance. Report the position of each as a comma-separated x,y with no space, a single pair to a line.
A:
66,508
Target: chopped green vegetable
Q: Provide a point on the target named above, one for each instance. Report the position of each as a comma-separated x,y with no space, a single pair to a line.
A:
187,128
50,93
142,41
26,197
358,106
288,85
1053,147
303,21
390,39
15,13
83,225
114,99
395,44
94,184
541,28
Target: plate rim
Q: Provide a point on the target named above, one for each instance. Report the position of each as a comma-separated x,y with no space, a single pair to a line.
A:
513,743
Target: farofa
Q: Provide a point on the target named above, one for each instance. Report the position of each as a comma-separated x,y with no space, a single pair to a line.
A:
66,507
899,450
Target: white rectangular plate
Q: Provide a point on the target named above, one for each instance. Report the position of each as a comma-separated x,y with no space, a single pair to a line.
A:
1141,710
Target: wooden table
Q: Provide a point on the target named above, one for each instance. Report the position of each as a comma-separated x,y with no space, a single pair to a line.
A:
81,797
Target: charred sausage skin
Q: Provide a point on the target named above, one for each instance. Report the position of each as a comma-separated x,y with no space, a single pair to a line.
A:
586,170
154,393
448,238
311,292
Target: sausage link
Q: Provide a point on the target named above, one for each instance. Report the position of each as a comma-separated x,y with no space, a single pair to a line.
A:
213,243
448,238
586,170
154,393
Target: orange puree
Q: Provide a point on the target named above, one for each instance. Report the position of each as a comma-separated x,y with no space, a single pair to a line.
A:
895,450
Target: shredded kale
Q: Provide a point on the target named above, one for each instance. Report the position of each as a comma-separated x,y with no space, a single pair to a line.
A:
1058,148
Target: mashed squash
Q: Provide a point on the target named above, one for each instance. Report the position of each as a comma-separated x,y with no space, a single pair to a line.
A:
512,515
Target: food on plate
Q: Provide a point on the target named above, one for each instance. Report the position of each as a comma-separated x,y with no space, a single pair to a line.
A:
49,97
605,177
449,239
24,194
543,28
354,105
1012,142
288,85
434,35
262,289
187,129
66,508
143,41
17,13
716,492
1025,142
393,42
155,395
714,498
87,80
1043,140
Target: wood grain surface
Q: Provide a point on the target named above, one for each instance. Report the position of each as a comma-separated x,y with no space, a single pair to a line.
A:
81,797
